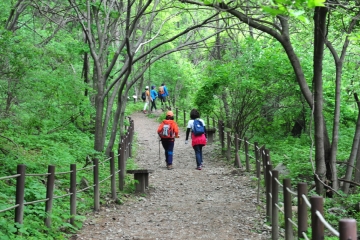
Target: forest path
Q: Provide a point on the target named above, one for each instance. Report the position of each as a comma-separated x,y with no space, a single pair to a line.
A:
217,202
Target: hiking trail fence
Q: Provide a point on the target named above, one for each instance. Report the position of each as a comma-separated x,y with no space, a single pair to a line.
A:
260,157
124,152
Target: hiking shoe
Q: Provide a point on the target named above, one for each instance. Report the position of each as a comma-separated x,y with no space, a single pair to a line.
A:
198,168
169,167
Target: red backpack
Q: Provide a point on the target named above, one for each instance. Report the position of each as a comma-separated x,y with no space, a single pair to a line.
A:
166,131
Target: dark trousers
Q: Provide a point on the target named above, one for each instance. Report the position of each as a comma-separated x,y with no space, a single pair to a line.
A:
168,146
198,154
153,105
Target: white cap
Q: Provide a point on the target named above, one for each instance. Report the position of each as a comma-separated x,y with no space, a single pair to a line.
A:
147,87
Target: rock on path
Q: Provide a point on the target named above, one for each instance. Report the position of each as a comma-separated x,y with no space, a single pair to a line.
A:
217,202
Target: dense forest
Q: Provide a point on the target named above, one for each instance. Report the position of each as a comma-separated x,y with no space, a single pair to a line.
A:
279,72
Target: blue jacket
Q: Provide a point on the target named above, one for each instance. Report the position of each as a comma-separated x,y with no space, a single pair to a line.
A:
153,94
166,93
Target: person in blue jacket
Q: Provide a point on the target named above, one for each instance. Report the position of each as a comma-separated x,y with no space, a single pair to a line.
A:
153,96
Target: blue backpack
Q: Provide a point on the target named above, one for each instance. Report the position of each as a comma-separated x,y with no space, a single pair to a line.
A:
198,127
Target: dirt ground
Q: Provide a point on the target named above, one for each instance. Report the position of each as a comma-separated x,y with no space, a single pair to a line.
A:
217,202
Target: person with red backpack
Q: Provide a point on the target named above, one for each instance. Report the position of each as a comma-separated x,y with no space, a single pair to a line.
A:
198,136
168,130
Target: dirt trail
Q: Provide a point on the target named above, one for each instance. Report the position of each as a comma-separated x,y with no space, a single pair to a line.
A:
217,202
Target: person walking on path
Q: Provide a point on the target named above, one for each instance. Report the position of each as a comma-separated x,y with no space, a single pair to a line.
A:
197,141
168,130
153,95
163,93
147,98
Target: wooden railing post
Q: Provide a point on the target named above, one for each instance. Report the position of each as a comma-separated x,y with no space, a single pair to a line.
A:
274,204
257,159
49,194
317,204
258,169
73,193
247,161
289,235
302,209
113,177
228,143
96,185
130,138
20,191
268,191
263,159
347,229
121,164
222,136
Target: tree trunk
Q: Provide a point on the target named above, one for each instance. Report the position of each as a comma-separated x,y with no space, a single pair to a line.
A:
354,150
319,43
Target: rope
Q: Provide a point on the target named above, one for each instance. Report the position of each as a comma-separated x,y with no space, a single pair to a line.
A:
37,201
306,201
12,176
294,193
62,196
35,175
326,224
9,208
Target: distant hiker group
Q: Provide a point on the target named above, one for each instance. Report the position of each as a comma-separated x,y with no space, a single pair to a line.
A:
151,96
168,130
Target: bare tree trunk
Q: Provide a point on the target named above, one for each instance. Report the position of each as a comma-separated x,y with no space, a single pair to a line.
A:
319,43
354,150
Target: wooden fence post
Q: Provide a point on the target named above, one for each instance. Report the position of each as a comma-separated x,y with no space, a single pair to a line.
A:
113,177
347,229
49,194
130,138
289,235
121,164
73,193
274,204
247,162
257,159
258,169
317,204
302,209
228,143
96,185
20,191
268,191
222,136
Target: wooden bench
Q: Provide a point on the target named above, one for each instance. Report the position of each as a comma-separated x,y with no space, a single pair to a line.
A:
142,176
210,132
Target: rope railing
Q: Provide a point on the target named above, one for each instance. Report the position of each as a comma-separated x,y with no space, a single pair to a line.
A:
260,157
124,152
37,175
8,177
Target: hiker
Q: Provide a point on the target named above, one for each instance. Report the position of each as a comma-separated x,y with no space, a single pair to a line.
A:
168,130
198,140
147,98
163,93
153,96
